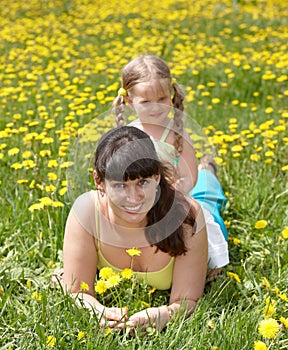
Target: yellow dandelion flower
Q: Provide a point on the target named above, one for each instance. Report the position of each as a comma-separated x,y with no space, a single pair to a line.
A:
285,233
80,335
215,100
133,252
101,287
237,148
45,153
211,324
52,163
260,224
284,168
284,321
234,275
113,281
36,296
84,286
51,341
145,304
57,204
13,151
283,296
106,272
66,165
50,188
127,273
108,331
17,166
269,328
52,176
266,283
36,206
46,201
270,307
255,157
259,345
62,191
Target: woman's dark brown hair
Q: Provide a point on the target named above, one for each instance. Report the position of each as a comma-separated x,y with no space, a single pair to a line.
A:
127,153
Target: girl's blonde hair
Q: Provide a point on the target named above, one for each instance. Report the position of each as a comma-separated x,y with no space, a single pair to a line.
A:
144,69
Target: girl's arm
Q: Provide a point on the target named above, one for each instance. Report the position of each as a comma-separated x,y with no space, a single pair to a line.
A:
80,265
187,166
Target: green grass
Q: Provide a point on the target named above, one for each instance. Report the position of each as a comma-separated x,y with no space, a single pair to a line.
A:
60,64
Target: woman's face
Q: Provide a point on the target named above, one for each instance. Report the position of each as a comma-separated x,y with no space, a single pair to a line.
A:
131,200
151,101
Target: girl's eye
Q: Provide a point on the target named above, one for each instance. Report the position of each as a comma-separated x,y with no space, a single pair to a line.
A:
143,182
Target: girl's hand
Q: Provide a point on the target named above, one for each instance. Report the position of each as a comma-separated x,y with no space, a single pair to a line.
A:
156,317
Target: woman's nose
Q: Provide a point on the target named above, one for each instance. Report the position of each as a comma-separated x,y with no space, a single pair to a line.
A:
134,194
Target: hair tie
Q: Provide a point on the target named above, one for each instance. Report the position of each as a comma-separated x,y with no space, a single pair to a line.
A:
173,81
122,92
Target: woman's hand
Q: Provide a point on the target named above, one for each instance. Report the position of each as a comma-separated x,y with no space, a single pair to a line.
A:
156,317
107,316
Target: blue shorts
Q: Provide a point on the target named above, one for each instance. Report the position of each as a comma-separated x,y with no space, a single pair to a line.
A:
209,193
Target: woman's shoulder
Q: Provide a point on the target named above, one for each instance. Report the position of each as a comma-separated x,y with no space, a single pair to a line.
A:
83,210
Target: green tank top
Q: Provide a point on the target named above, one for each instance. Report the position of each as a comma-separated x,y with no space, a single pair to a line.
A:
161,279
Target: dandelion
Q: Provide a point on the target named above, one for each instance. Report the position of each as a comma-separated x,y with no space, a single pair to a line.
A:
266,283
211,324
259,345
52,176
269,328
36,296
80,335
36,206
260,224
133,252
51,341
57,204
106,272
270,307
255,157
284,168
113,281
108,331
52,163
66,165
234,275
127,273
284,321
84,286
285,233
101,287
13,151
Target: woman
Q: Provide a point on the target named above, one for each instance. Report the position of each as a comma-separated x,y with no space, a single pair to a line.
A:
135,205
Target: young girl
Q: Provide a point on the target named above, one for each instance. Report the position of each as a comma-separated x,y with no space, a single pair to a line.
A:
147,87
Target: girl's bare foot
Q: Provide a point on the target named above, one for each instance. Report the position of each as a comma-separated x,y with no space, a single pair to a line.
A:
207,162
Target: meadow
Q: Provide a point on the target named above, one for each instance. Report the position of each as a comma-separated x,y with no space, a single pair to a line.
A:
60,64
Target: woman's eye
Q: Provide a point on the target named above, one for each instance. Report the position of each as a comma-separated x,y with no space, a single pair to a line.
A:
143,182
118,185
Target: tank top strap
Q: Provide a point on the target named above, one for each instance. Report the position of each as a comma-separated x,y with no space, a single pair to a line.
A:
97,224
166,131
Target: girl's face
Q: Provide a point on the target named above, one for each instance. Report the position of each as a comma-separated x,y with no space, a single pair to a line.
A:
151,101
131,200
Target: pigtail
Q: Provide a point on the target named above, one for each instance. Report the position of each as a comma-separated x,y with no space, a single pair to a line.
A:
178,104
119,109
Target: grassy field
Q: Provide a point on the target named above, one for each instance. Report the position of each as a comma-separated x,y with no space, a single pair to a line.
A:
60,65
